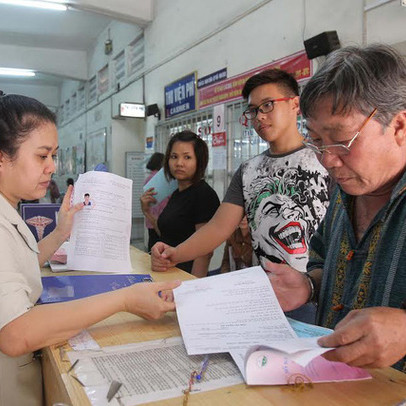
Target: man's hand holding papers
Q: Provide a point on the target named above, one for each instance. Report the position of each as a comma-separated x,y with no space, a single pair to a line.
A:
364,338
291,286
239,313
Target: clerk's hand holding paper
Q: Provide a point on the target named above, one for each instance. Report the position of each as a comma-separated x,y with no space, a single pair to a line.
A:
66,214
61,233
150,300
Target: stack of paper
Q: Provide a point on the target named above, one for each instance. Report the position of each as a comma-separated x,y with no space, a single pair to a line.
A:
239,313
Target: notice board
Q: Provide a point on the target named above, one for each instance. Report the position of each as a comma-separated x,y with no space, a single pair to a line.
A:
135,169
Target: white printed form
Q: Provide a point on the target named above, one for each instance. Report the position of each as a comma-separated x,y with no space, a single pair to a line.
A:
149,371
100,238
228,312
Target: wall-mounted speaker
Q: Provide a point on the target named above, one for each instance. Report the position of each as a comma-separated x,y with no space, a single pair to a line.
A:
153,110
322,44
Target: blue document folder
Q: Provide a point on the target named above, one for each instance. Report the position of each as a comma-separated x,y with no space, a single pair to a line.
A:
65,288
162,186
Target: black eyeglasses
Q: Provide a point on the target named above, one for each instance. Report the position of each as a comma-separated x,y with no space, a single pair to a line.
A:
266,107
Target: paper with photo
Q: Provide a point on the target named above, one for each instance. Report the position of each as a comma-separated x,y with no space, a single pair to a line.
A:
162,186
100,238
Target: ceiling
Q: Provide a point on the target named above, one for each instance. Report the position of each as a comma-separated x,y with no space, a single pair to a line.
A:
30,27
49,41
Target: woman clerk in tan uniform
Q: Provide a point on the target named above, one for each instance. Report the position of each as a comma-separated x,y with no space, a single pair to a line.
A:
28,144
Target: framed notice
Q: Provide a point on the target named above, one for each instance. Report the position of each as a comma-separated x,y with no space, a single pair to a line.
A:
135,163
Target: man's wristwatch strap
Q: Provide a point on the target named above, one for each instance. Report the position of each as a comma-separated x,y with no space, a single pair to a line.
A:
312,296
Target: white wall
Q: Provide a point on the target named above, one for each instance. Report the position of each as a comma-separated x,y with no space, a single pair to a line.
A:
135,11
49,95
132,93
270,32
386,24
190,35
121,34
99,114
128,135
61,62
68,88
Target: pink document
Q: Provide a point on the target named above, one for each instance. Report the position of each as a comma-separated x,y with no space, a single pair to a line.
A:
273,368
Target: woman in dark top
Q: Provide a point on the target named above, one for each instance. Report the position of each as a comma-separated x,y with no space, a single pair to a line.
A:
194,202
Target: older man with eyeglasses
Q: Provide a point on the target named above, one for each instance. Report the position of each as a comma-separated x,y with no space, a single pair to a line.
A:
356,116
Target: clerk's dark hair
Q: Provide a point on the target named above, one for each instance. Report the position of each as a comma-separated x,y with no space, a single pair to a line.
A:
19,115
200,149
272,76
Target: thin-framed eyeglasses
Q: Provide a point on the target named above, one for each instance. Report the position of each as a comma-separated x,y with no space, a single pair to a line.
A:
338,149
266,107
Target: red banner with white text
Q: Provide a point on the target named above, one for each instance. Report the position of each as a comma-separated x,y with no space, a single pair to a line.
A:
230,89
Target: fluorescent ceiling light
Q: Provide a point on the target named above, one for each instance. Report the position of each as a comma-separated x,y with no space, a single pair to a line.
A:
38,4
16,72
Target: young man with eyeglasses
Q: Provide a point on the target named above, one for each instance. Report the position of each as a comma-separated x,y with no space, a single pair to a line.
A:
356,116
283,191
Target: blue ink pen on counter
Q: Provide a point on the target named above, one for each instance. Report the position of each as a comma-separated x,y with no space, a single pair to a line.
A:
205,363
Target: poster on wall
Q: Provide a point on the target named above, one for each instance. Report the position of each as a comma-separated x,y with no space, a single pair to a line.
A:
180,96
219,150
212,78
95,149
149,143
135,163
